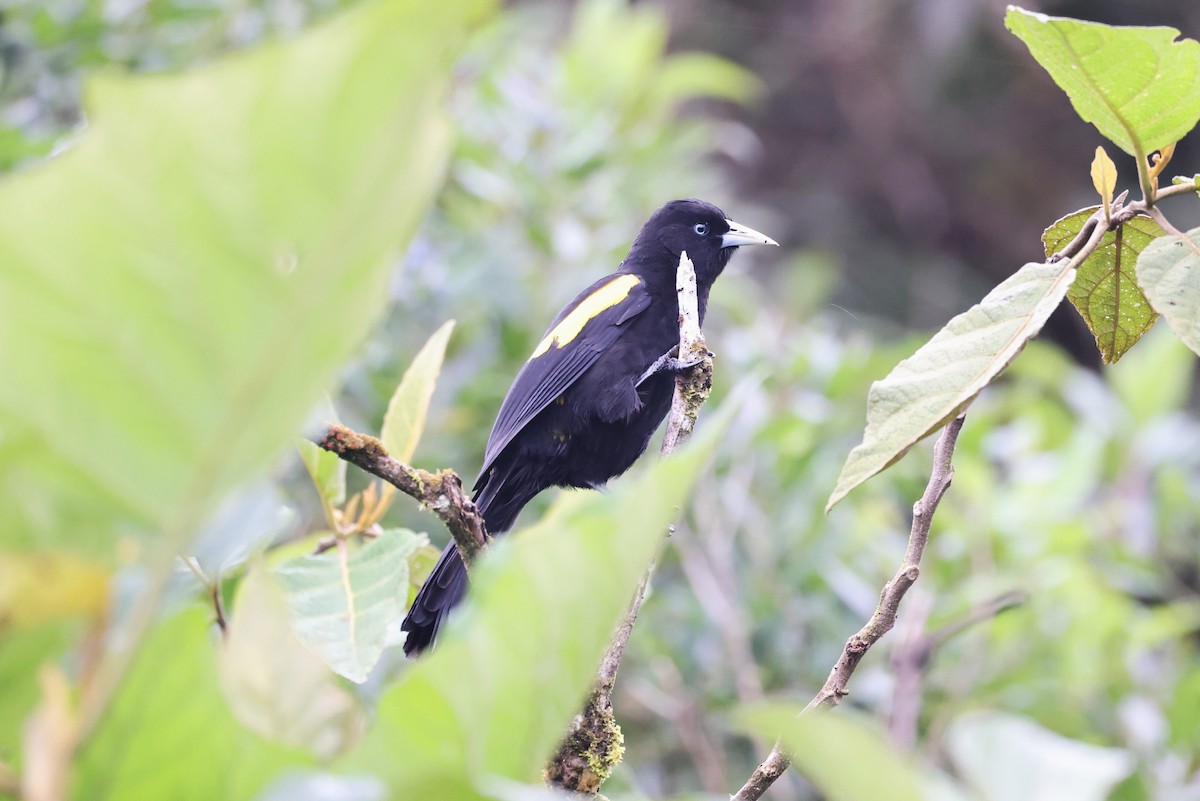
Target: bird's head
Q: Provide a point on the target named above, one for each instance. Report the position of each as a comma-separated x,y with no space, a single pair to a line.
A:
701,229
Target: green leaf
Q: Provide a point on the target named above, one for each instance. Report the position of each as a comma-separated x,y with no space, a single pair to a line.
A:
405,418
1106,293
689,75
327,471
1137,85
513,666
420,565
927,389
275,685
1169,273
1005,756
219,245
841,753
169,733
343,600
1157,379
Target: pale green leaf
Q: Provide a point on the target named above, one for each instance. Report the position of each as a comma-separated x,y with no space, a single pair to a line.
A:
1105,292
219,245
927,389
406,412
276,686
1004,756
343,600
327,471
1169,273
168,718
1138,85
513,666
831,750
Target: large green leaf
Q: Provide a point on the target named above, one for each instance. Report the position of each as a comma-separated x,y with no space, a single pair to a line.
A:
405,419
179,286
1169,272
512,668
1138,85
276,686
343,600
1105,292
928,388
831,750
169,732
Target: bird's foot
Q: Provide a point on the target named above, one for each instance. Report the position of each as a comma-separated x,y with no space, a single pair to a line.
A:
669,362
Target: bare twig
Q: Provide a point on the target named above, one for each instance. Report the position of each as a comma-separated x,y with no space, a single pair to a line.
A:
592,747
885,613
441,492
214,592
913,654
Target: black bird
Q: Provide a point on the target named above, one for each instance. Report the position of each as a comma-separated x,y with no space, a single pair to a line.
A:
583,408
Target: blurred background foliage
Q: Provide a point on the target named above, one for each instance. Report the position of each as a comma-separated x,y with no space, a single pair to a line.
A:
907,156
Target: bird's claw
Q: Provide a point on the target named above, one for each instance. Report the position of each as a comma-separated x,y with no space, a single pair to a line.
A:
670,363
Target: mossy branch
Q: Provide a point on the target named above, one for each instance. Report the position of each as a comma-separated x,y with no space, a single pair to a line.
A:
441,492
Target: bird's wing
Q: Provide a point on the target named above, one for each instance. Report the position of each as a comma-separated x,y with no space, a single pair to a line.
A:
588,326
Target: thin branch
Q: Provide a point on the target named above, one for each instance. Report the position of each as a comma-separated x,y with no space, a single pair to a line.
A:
913,655
592,748
441,492
691,390
978,614
214,592
885,613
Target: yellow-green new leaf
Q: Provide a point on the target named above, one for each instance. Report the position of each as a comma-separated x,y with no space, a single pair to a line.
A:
927,389
38,588
409,406
1138,85
1169,272
1104,178
1106,292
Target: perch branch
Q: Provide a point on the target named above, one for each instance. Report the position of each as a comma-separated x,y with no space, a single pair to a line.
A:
885,613
592,747
441,492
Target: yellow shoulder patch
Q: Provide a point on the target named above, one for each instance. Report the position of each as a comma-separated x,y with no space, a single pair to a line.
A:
605,297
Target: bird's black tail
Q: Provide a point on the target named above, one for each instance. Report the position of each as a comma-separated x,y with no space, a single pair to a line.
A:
444,588
499,500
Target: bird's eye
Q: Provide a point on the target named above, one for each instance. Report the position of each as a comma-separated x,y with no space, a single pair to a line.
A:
700,228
